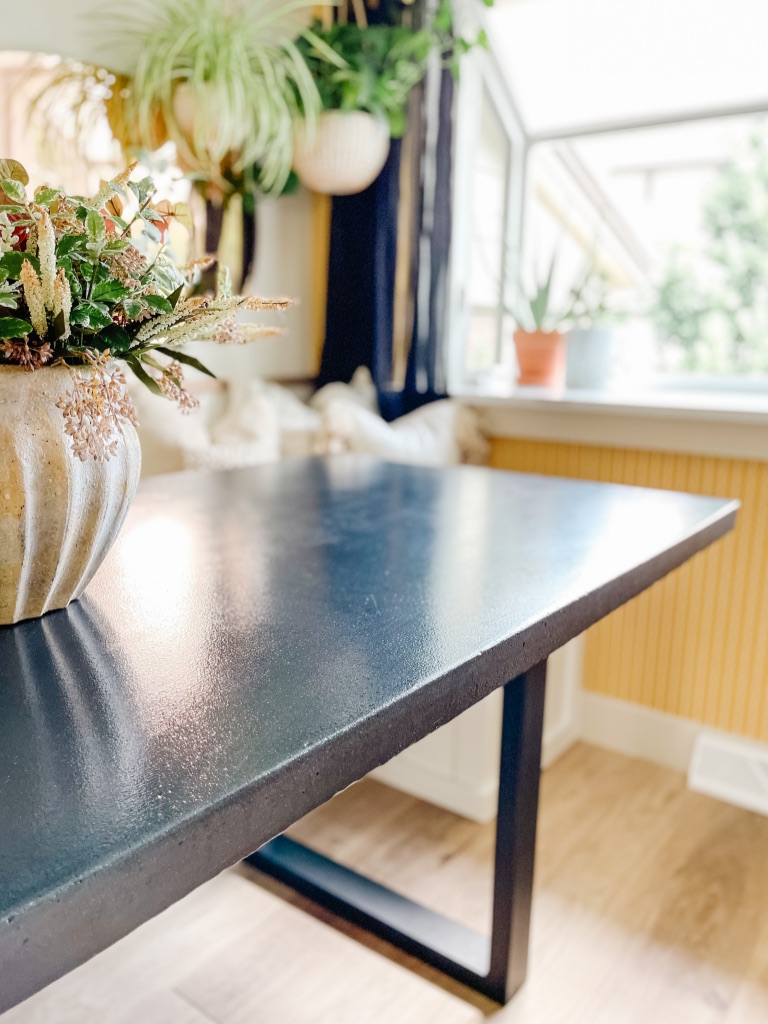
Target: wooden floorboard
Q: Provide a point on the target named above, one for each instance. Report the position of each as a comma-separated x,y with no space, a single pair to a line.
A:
651,904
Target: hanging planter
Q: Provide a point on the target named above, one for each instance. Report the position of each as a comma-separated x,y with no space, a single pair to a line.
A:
364,75
344,154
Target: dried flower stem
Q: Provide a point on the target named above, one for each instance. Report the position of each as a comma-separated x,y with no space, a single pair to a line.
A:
46,251
96,410
62,300
33,295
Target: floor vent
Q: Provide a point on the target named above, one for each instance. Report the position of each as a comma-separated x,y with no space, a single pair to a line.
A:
731,769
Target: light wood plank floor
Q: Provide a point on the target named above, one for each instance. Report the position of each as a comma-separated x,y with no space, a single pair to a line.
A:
651,906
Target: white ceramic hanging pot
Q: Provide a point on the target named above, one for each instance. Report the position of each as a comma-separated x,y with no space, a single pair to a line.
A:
58,515
344,154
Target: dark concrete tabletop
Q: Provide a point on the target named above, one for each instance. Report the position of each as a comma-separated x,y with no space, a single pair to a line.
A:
258,640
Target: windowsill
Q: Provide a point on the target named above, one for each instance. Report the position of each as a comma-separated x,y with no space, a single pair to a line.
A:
719,423
733,406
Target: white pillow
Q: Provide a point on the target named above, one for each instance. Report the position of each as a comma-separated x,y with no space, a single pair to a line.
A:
298,423
246,434
437,434
164,431
360,391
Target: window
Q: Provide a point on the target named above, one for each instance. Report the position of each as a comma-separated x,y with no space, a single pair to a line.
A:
679,215
622,147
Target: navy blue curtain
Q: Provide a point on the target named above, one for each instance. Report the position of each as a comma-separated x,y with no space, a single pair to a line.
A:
426,376
361,279
363,258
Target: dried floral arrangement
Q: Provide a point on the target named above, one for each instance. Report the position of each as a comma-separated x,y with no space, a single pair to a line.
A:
76,289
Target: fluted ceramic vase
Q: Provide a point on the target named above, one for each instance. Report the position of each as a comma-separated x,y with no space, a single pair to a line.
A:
58,515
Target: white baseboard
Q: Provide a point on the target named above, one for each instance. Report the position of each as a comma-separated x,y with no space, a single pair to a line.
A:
457,767
731,768
637,731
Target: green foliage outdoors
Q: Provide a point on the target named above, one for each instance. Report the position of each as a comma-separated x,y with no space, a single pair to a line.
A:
712,310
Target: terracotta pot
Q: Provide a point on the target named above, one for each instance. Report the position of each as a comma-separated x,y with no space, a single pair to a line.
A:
540,358
58,515
344,154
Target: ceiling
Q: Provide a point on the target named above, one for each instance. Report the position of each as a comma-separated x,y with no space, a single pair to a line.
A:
584,64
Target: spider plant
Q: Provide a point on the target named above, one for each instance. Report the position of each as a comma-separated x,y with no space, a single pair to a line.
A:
227,81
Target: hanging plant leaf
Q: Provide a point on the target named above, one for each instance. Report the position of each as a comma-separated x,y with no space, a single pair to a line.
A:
14,190
95,227
117,340
46,196
182,357
14,170
182,215
59,326
133,308
14,327
67,244
110,291
159,303
141,373
12,261
90,315
152,232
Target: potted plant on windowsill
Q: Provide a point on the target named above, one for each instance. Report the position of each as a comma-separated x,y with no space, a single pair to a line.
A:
83,294
364,75
592,341
539,338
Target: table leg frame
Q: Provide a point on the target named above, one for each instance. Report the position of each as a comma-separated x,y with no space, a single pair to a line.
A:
494,966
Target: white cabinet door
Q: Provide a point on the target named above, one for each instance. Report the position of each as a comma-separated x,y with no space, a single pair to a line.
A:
457,767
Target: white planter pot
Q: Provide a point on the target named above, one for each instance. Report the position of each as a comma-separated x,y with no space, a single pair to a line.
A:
58,515
344,154
592,360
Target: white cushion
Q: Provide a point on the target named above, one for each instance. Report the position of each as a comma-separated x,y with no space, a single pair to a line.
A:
360,391
437,434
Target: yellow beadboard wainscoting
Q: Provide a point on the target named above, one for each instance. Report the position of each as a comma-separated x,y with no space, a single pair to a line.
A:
696,643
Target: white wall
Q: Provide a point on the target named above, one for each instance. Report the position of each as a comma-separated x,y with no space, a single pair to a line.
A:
66,27
283,267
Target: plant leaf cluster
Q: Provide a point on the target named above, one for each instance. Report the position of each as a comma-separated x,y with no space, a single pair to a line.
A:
376,67
537,309
109,298
245,81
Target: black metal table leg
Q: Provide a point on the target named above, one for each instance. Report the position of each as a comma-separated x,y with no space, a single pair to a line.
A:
519,773
495,967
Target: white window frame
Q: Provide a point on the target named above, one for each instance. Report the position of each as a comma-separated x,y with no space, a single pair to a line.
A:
482,71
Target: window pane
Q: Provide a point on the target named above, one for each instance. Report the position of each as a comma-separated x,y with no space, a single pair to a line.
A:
678,219
490,166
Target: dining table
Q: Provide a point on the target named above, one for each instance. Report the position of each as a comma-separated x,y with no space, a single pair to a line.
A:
259,639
